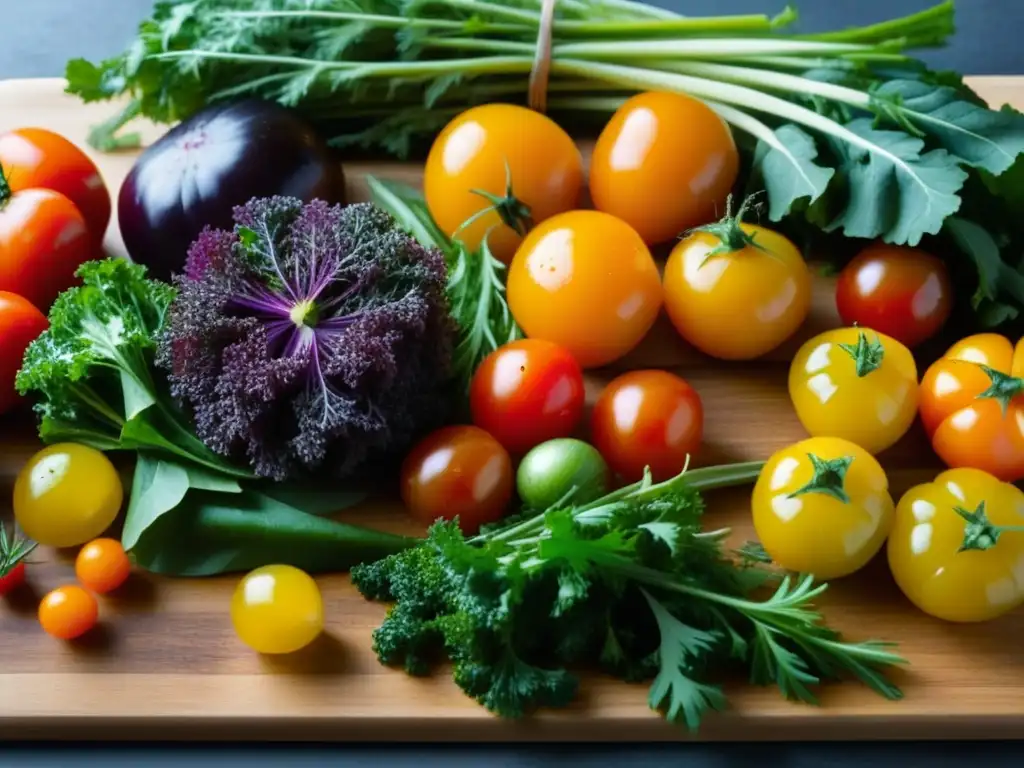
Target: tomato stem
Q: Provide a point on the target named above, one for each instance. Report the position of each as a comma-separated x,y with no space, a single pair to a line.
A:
867,355
1003,388
979,532
829,478
5,187
732,237
513,212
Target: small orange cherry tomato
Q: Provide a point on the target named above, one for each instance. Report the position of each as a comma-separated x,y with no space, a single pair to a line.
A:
35,158
664,163
102,565
647,419
503,156
585,280
68,612
972,405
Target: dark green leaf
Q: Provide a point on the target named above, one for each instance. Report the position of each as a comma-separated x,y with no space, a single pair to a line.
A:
314,498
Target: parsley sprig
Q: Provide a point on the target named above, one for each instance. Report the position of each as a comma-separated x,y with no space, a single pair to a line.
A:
629,583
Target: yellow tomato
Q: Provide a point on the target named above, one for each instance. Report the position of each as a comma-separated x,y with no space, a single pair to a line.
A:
66,495
855,384
736,291
277,609
957,546
585,280
822,506
484,151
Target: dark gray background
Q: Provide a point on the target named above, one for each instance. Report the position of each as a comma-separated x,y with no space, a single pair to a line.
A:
38,36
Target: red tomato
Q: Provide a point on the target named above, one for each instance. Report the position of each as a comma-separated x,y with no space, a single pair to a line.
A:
647,418
458,471
34,158
526,392
20,324
902,292
664,163
68,612
12,579
43,240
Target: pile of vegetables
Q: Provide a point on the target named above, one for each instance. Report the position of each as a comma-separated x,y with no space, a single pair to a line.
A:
271,350
848,134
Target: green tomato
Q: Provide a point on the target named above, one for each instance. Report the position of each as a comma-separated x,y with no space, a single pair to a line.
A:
548,472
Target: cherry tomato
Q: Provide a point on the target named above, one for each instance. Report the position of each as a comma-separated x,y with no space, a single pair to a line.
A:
957,546
20,323
664,163
43,240
102,565
822,506
67,494
489,149
277,609
585,280
12,578
458,471
526,392
972,405
34,158
68,612
13,551
902,292
647,418
742,301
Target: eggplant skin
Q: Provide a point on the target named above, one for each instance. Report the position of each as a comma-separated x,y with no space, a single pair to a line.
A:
221,157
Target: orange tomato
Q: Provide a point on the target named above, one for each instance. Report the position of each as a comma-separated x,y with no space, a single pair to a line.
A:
43,240
664,163
585,280
20,324
102,565
34,158
972,405
487,149
68,612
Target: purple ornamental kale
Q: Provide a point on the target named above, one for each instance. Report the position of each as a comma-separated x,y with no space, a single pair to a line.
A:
311,337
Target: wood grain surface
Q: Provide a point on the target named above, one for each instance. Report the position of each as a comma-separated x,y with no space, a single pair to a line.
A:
166,664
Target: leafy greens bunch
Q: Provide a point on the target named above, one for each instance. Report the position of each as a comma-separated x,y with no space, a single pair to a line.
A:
191,511
847,133
629,583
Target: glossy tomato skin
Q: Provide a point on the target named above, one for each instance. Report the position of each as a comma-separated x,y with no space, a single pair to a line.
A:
586,281
664,163
35,158
102,565
13,579
902,292
872,406
926,554
966,428
277,609
66,494
68,612
43,241
457,471
526,392
471,152
647,418
739,305
827,515
20,323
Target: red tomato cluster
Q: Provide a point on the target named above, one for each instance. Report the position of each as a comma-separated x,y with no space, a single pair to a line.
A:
54,211
529,392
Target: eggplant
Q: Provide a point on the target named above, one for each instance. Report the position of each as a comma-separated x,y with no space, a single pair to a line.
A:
223,156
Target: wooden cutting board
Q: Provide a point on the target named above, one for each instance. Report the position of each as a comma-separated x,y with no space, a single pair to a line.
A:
166,664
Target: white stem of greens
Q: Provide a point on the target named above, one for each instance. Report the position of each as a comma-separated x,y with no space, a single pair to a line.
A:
698,48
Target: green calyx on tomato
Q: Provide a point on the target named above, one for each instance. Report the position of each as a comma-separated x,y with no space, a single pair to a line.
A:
513,212
867,355
1004,387
829,478
13,551
5,188
979,532
731,235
